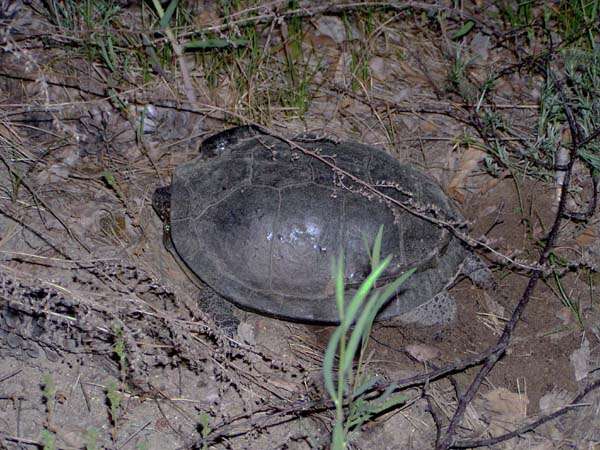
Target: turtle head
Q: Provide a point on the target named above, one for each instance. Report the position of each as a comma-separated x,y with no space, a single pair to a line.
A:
219,143
161,202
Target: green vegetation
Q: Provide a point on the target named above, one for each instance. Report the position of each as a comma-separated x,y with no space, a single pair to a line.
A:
91,439
204,427
347,382
119,349
114,399
49,394
48,440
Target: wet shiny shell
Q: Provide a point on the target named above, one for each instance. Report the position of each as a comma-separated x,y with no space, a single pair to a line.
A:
260,223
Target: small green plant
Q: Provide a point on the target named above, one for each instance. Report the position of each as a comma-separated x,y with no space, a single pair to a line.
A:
113,398
119,349
349,383
91,439
48,440
144,445
360,49
573,304
297,95
577,21
49,393
581,90
458,80
204,427
519,15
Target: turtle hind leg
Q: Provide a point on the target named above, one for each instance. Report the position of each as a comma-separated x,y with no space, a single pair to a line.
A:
439,311
220,311
478,272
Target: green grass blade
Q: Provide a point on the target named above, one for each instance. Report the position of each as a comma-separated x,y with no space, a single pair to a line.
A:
388,391
361,293
339,286
360,332
328,361
212,43
360,390
112,54
166,18
363,326
338,441
376,255
395,400
464,30
370,409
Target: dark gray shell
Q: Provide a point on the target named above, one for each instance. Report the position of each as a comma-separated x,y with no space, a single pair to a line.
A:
261,223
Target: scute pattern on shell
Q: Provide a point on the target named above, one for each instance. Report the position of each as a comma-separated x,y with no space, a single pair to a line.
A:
261,223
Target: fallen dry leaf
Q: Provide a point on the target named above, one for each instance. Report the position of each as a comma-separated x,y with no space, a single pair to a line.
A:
380,68
423,352
565,314
332,27
504,409
247,333
285,385
553,401
589,236
580,360
469,161
493,307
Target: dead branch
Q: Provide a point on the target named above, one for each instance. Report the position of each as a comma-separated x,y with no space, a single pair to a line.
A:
575,403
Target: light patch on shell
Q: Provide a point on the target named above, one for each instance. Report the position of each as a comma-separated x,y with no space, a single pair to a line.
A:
221,146
310,232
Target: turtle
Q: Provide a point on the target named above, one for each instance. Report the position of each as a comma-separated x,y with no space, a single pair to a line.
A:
259,221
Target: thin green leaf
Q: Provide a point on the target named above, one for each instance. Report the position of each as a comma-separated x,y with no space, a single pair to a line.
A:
109,179
339,286
210,43
117,101
370,409
111,182
464,30
367,317
166,18
328,361
363,324
362,292
376,255
364,387
377,407
106,58
388,391
112,54
338,442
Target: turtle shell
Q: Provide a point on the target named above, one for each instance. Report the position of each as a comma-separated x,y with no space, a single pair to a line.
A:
261,222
